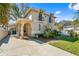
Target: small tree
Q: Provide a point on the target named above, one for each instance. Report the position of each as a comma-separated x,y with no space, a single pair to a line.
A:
49,33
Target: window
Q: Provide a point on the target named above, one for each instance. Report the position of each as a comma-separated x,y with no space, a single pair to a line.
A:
49,19
40,16
39,27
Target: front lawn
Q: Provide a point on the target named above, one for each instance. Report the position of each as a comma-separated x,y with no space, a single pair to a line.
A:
70,46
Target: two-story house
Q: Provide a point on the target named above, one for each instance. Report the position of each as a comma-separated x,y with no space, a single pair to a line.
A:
34,23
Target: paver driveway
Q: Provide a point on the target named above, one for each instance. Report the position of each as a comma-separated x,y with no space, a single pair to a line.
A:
20,47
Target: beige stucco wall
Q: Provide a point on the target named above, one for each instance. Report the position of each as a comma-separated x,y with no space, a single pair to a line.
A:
3,33
36,22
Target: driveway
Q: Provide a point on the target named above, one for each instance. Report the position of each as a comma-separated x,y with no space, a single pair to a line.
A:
21,47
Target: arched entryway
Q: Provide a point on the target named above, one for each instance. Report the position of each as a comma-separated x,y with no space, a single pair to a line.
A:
24,27
27,29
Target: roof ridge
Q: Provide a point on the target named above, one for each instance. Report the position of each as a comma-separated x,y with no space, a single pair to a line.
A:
33,9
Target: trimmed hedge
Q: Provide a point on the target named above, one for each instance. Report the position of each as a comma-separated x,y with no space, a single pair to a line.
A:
68,38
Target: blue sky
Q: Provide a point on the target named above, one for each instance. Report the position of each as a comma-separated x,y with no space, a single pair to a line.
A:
62,10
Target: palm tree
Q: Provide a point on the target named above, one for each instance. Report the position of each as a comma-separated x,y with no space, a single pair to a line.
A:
76,19
75,22
76,15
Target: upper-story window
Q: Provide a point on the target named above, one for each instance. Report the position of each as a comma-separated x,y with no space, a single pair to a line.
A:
39,27
50,20
40,15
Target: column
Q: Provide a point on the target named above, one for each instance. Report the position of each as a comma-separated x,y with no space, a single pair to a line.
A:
17,30
21,31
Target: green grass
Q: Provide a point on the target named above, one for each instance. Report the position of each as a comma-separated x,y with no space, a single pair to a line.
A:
72,47
70,44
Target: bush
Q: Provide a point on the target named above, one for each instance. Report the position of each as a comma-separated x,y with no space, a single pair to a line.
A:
50,34
47,34
74,34
55,33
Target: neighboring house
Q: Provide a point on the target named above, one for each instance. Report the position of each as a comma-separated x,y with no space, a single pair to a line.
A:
66,30
66,22
76,30
67,27
34,23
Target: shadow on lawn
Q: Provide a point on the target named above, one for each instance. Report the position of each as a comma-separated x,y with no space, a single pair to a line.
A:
5,40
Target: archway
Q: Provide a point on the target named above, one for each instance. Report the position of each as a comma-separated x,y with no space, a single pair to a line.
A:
27,29
24,27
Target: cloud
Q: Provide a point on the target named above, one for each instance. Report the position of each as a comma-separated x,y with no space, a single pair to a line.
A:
70,6
58,12
75,6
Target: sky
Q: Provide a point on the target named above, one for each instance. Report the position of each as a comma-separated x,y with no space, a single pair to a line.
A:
63,11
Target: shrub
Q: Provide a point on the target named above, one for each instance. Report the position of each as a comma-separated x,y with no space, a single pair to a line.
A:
68,38
74,34
47,34
50,34
55,33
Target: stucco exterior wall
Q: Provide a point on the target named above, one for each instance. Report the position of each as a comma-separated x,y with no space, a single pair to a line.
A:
30,16
36,22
